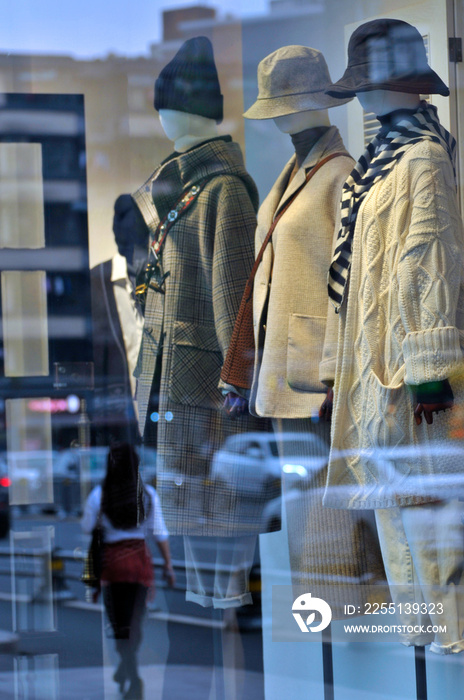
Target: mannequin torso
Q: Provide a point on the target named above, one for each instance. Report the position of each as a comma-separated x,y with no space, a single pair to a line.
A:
290,284
389,107
404,231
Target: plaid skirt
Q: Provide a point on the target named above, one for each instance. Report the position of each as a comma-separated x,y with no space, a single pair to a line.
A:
127,561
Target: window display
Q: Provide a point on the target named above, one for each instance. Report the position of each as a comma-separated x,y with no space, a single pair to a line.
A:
150,164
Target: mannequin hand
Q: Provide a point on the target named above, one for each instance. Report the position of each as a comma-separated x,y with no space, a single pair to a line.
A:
325,411
169,575
428,409
235,405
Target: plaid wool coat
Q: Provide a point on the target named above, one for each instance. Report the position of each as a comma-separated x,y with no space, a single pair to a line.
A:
207,257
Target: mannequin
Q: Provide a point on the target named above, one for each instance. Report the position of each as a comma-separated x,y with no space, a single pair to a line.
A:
387,104
401,243
234,404
117,330
289,305
190,308
322,548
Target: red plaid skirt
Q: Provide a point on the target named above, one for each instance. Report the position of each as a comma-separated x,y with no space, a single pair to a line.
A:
127,561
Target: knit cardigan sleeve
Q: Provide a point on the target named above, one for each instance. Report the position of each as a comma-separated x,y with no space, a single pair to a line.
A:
430,264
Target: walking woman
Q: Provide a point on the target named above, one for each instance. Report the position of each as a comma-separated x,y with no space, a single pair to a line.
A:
129,512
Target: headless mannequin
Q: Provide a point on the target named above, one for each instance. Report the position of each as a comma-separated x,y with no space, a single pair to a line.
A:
186,130
300,121
384,103
292,124
402,529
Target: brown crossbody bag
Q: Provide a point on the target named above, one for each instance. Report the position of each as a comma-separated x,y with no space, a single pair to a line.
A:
238,365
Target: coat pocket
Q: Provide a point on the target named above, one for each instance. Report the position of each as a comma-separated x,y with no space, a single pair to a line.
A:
304,351
387,411
196,366
386,433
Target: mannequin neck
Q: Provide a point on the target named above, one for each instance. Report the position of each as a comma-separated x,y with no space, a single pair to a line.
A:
382,102
300,121
186,130
305,140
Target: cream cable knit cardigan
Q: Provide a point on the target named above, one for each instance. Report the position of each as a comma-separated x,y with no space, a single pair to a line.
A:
402,324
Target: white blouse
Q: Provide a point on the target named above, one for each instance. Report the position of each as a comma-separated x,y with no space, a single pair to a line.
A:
153,525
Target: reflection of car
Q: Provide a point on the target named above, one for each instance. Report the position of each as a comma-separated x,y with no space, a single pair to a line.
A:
30,474
89,464
76,471
148,457
256,454
397,478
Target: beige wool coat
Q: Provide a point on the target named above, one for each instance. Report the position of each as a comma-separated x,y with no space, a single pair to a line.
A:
286,368
327,548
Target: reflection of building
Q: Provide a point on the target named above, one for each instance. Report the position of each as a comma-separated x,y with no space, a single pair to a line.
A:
174,19
45,295
44,261
123,142
124,138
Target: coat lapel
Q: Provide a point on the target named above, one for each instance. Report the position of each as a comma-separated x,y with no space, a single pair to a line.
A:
270,204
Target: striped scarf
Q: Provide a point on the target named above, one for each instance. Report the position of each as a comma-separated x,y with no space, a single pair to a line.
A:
381,154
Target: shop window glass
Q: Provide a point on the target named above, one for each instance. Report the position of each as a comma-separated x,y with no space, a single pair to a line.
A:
29,455
21,196
25,327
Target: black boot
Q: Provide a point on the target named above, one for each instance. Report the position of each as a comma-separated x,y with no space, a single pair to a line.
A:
135,691
120,676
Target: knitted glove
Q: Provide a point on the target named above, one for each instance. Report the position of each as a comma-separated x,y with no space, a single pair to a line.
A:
431,398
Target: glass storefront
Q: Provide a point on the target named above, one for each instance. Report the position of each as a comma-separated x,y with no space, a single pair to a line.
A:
213,484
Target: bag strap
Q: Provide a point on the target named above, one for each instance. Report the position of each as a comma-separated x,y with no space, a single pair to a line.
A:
279,215
185,201
187,198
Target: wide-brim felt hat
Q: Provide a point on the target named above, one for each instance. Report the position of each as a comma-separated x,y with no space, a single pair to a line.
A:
387,54
290,80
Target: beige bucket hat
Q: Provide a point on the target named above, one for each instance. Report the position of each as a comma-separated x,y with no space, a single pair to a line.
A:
292,79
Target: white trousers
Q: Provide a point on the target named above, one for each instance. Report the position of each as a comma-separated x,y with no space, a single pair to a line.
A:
226,583
423,552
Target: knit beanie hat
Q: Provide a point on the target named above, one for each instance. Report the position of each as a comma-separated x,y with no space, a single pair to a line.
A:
189,83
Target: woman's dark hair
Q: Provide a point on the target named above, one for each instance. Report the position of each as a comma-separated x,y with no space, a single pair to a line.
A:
124,499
